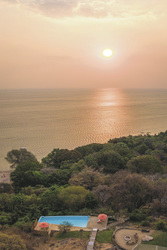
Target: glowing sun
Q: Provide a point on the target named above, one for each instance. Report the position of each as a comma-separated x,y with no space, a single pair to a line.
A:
107,53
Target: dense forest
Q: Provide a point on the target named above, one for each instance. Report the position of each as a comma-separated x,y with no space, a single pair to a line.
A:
126,176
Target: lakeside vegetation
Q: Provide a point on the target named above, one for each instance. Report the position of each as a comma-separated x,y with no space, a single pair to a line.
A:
125,177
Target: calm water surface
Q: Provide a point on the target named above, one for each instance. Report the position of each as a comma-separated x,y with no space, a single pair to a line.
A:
41,120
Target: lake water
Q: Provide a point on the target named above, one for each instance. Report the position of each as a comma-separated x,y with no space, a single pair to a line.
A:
41,120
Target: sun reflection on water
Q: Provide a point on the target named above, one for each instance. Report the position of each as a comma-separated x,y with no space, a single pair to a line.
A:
111,113
109,97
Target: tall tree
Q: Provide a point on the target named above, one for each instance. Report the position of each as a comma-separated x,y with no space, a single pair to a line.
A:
16,156
27,174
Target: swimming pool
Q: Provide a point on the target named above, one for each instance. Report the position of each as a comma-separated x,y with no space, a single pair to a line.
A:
76,221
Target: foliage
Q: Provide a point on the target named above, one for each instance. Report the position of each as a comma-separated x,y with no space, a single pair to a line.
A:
160,225
64,227
13,242
145,223
91,201
58,156
75,181
5,188
111,161
50,200
78,166
27,173
73,197
37,190
137,215
145,163
16,156
126,191
5,219
89,149
24,226
59,177
142,148
87,178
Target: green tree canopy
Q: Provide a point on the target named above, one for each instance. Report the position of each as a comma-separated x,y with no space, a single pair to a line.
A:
73,197
145,164
50,200
16,156
57,156
87,178
111,161
89,149
27,173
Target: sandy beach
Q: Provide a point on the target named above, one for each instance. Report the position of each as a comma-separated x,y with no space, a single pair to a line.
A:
5,177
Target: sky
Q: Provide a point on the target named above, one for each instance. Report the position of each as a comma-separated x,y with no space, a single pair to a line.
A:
59,43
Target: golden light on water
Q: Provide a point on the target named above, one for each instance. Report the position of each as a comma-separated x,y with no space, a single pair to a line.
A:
107,53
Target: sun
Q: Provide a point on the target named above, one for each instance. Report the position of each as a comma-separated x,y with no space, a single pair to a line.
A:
107,53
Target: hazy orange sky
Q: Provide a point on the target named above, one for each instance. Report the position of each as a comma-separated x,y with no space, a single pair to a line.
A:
58,43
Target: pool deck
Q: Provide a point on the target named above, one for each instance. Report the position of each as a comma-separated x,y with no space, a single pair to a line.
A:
92,223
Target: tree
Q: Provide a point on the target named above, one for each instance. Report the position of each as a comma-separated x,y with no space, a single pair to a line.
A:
142,148
91,201
131,192
126,191
89,149
104,194
26,174
50,200
145,164
87,178
73,197
122,148
57,156
59,177
111,161
16,156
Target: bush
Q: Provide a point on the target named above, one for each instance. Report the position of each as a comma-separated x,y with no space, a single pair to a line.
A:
137,215
11,242
145,223
65,227
5,220
160,225
24,224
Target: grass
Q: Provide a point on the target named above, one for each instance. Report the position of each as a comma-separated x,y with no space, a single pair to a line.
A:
72,234
160,239
104,236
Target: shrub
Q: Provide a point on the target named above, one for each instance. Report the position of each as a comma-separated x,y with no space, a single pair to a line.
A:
11,242
160,225
145,223
65,227
24,224
137,215
5,220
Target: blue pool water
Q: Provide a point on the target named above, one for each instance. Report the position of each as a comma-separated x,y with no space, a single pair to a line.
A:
76,221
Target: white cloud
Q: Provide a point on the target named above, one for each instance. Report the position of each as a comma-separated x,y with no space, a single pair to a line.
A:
95,8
